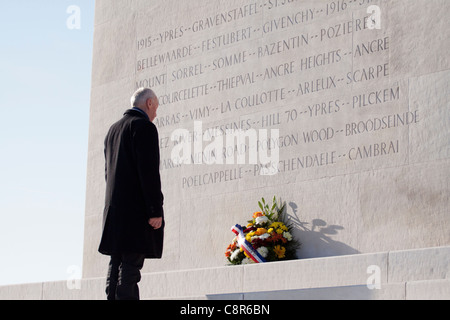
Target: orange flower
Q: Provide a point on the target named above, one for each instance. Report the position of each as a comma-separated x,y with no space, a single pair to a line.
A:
275,237
260,231
257,214
230,249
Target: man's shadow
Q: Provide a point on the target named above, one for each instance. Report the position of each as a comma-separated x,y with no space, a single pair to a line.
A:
315,236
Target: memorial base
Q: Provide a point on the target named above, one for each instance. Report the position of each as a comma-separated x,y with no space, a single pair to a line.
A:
397,275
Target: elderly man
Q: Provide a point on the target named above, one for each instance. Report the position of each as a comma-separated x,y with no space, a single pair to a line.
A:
133,219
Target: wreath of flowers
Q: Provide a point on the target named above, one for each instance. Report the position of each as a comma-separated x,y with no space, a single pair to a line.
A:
266,238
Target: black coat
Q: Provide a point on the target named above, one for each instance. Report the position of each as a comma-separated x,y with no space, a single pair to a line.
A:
133,188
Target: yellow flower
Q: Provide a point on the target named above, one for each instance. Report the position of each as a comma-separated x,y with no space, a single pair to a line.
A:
280,251
270,230
249,236
279,225
280,231
260,231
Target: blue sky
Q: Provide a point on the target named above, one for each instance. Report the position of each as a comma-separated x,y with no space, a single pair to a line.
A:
45,78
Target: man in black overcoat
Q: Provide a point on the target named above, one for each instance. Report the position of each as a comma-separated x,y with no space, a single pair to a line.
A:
133,218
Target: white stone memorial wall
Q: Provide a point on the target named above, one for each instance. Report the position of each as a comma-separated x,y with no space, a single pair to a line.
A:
349,99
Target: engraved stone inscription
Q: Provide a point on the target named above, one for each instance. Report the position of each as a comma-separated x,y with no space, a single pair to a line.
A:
277,71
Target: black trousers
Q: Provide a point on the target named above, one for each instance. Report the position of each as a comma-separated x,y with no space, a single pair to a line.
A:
124,274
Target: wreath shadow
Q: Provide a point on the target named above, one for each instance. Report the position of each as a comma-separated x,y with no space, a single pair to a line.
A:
315,237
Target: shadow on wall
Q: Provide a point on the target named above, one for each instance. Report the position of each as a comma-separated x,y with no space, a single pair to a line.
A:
315,237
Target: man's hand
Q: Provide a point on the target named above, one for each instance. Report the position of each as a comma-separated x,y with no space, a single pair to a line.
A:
156,223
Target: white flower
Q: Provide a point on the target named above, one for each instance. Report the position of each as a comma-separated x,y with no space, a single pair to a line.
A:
263,251
234,254
261,220
247,261
264,236
287,235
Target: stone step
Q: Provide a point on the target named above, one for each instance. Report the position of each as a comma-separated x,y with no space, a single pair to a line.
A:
415,290
410,274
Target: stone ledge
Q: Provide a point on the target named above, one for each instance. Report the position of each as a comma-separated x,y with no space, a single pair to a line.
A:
409,274
356,292
428,290
415,290
415,265
30,291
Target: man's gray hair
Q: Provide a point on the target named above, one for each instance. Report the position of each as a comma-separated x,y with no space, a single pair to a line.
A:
141,96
